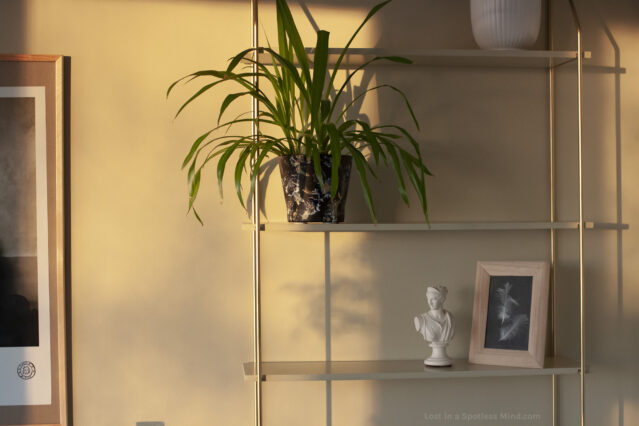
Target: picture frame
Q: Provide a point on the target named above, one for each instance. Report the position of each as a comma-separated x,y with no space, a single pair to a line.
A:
510,314
33,352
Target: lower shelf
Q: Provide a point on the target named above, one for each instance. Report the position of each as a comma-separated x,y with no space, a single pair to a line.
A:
397,370
434,226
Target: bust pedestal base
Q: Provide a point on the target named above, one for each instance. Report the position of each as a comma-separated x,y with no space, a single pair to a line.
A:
438,358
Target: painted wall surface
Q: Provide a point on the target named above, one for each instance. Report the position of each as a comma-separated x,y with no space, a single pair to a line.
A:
162,307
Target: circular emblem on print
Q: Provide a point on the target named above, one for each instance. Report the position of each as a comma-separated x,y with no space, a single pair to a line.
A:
26,370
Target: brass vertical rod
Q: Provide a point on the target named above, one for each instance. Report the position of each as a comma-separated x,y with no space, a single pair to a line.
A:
327,329
582,317
257,302
582,304
553,207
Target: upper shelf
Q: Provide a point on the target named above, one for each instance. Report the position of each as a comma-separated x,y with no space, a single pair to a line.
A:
456,57
417,227
398,370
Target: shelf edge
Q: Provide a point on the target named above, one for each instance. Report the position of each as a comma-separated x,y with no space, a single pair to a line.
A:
422,227
564,367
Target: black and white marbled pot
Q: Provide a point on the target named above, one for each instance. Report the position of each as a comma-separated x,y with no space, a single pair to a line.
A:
306,200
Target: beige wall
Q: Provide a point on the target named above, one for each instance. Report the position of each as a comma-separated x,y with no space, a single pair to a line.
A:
162,313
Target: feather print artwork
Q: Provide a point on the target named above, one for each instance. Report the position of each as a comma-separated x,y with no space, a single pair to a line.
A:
508,312
513,328
510,326
506,303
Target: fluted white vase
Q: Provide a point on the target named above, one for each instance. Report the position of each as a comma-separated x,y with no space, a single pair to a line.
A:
505,24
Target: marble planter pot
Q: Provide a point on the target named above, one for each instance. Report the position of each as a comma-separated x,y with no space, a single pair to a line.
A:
306,200
505,24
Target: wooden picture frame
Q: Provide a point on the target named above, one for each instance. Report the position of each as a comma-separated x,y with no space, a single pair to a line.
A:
33,355
510,314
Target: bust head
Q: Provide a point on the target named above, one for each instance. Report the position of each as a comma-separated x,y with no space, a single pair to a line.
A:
436,296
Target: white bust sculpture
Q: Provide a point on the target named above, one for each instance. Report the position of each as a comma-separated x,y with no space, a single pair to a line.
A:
437,326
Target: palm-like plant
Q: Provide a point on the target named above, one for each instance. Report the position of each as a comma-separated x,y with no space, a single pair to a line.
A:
303,113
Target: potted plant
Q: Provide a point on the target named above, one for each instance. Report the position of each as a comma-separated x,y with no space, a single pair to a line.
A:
304,120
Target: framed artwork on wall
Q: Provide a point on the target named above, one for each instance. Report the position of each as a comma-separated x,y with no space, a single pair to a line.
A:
510,314
33,385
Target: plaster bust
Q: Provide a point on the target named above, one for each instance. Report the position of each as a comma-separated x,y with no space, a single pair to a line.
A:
436,325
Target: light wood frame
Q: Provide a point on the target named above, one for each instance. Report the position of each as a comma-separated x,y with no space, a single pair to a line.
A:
47,71
534,356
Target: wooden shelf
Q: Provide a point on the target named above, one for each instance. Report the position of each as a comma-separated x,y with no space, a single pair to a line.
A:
397,370
455,57
422,227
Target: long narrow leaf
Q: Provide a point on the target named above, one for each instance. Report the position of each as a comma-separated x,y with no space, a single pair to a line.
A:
195,147
382,86
237,59
317,166
290,28
221,164
228,101
336,157
338,63
195,187
360,163
239,168
319,73
362,67
255,169
392,152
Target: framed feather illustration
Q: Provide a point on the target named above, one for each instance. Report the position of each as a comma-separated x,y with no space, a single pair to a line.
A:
510,313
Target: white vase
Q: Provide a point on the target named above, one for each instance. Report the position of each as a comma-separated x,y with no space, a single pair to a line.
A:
505,24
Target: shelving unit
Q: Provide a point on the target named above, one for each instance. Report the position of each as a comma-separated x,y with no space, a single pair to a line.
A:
414,369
